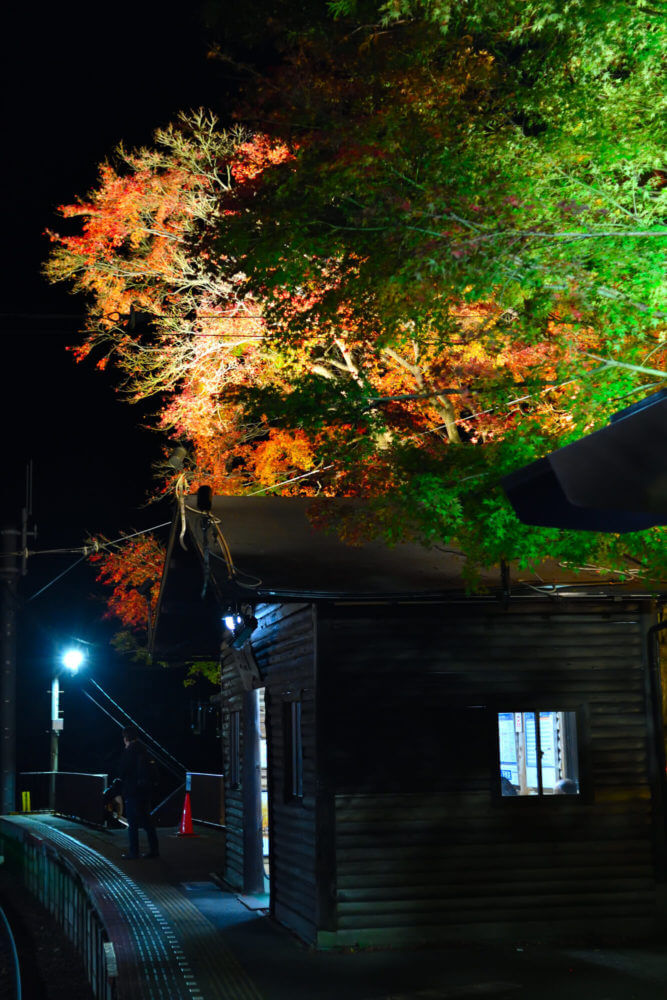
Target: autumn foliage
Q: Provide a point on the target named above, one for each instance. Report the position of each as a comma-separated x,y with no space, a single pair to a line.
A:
438,260
132,570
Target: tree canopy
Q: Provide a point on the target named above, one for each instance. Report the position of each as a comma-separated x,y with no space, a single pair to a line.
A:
432,252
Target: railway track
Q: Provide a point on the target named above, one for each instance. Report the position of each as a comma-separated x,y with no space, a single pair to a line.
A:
10,970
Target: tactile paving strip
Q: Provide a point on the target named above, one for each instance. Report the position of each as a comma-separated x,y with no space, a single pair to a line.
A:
207,967
213,963
151,963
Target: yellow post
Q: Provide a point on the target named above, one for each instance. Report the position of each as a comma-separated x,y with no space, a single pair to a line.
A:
25,802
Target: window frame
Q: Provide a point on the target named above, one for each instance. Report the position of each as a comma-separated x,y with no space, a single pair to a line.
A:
538,705
293,749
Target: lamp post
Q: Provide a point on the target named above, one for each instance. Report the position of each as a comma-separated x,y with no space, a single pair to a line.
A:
9,574
72,659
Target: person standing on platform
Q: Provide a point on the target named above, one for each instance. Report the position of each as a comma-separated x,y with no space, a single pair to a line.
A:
136,788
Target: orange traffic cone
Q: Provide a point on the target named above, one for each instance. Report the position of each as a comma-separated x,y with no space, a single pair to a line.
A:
185,829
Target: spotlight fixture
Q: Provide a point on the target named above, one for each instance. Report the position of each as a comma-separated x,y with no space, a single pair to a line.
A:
241,626
204,499
177,458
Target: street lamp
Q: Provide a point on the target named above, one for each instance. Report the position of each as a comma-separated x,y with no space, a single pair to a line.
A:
72,660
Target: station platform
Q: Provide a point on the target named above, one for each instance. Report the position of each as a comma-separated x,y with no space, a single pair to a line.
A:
179,934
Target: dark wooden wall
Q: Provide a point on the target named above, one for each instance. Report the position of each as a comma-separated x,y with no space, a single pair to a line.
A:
232,700
284,646
425,848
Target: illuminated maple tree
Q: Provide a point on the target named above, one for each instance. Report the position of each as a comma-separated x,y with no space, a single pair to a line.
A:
165,306
132,570
440,259
484,213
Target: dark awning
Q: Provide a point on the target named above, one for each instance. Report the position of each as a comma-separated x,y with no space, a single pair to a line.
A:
612,480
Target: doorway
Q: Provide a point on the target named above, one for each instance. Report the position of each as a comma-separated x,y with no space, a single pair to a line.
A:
264,789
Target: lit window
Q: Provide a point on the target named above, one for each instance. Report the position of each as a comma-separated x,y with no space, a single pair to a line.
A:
538,759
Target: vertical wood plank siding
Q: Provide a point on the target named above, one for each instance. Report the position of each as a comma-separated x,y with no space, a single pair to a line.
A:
425,846
285,651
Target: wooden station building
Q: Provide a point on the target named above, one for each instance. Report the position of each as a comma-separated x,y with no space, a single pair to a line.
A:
437,766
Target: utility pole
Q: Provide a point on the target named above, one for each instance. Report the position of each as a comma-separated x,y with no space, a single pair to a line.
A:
13,545
56,729
9,573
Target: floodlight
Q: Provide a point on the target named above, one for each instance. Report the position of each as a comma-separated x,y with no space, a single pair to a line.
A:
72,659
243,631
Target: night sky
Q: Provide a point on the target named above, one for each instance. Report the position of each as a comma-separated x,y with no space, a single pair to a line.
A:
73,88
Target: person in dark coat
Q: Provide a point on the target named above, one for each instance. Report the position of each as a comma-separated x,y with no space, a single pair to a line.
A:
135,785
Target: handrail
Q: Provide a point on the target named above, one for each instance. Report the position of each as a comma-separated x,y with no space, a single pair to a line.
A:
83,774
51,873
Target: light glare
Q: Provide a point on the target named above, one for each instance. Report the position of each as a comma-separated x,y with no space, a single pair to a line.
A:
73,659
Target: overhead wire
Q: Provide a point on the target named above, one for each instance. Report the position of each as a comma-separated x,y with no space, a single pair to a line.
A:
95,545
238,573
56,578
181,485
89,696
79,318
135,534
180,488
233,572
286,482
172,770
86,550
162,751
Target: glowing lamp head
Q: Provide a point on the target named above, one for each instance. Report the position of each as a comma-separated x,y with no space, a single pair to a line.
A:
73,660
